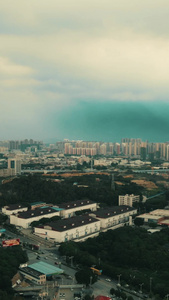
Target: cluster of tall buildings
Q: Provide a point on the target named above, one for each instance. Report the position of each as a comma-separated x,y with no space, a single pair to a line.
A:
128,147
90,148
19,145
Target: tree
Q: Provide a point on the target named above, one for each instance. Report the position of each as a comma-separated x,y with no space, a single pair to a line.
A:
138,221
85,276
152,225
112,291
88,297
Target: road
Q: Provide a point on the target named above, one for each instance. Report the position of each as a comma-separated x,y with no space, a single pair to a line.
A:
51,255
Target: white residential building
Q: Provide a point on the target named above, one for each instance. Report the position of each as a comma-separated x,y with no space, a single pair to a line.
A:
128,199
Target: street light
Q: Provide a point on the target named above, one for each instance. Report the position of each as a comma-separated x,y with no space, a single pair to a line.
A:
119,279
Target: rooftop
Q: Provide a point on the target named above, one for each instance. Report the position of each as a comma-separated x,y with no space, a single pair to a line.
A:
37,203
31,272
14,206
113,211
73,204
36,212
45,268
149,216
67,224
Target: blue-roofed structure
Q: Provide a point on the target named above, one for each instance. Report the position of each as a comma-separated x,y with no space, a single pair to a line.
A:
37,203
46,268
53,207
57,208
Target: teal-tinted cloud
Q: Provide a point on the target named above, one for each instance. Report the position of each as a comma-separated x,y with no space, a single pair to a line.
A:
112,121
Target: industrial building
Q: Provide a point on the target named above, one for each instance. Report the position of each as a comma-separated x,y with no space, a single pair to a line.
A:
21,216
158,216
38,272
75,228
13,209
24,219
70,208
82,227
115,216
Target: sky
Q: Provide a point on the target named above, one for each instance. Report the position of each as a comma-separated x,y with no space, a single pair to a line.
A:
80,69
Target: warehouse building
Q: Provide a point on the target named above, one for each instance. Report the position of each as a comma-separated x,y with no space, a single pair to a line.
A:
114,217
158,216
13,209
24,219
75,228
70,208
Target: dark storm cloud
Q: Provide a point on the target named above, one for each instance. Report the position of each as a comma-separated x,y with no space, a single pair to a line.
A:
111,121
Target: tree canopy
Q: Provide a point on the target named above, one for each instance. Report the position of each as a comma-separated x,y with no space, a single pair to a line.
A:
132,252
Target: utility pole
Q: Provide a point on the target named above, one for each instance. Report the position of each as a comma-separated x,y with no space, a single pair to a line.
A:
119,279
112,182
167,296
151,285
141,284
71,258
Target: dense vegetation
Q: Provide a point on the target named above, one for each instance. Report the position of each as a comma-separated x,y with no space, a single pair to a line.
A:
11,258
27,189
132,252
33,188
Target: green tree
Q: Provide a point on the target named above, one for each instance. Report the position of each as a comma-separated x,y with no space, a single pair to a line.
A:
138,221
85,276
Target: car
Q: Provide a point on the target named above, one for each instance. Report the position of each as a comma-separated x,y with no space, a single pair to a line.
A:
108,279
56,263
46,258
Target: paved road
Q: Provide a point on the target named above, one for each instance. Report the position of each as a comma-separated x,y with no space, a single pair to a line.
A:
50,255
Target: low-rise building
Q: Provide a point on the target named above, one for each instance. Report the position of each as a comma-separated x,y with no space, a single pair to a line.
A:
24,219
114,217
38,272
33,275
69,208
13,209
75,228
158,216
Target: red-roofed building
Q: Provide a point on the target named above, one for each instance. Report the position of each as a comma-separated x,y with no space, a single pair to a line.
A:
102,298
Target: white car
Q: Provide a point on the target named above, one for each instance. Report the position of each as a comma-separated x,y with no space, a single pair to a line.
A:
108,279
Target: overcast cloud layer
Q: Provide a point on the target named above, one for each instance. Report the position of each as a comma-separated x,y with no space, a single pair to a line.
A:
79,69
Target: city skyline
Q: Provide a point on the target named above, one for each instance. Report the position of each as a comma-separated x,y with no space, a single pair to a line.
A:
82,70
